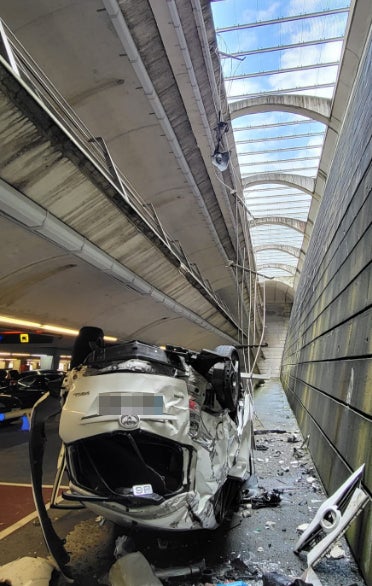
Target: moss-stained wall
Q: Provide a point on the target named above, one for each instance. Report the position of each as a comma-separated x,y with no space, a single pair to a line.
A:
327,361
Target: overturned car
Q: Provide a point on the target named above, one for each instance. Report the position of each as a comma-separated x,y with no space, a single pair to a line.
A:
152,437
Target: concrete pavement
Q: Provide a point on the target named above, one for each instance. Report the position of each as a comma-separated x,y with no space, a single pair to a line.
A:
245,549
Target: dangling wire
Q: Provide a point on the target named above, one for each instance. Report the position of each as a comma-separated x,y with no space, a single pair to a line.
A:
247,260
263,324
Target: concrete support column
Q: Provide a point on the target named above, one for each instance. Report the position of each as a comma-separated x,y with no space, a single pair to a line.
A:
50,361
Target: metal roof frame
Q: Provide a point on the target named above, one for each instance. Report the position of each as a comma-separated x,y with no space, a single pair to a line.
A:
268,135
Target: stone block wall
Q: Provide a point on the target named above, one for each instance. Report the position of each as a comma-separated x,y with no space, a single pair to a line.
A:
327,361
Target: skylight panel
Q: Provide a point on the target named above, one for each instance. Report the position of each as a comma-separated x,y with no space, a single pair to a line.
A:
270,48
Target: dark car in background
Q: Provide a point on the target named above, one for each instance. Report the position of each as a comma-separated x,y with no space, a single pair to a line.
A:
39,378
8,404
31,385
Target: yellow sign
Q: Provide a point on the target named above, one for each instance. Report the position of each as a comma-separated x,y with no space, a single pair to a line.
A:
24,338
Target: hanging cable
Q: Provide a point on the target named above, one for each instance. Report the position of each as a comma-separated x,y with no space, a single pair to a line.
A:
264,323
221,160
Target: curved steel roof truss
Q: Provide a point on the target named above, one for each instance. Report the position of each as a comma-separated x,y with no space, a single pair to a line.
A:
280,83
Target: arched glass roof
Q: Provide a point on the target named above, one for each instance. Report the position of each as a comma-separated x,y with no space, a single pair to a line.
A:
271,48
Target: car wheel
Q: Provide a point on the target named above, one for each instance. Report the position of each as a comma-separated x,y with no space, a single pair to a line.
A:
226,378
87,338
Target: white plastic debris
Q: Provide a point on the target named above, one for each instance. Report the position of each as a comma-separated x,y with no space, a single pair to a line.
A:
246,510
310,577
123,546
330,521
302,528
336,552
306,441
246,513
27,571
133,569
270,524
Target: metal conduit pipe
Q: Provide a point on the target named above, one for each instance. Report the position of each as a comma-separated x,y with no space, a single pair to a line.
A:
212,81
118,21
205,49
125,37
195,86
172,7
36,219
121,28
123,191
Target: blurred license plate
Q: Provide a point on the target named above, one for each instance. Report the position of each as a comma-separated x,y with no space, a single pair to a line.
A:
134,404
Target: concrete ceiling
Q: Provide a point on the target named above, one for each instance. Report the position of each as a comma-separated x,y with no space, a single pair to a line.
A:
145,255
148,246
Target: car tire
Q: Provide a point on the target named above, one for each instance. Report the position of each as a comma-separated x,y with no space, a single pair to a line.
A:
226,378
88,337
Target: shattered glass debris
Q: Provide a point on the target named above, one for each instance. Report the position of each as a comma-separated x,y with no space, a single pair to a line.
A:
265,499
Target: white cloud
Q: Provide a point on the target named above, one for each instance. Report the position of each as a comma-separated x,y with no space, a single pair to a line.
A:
276,35
315,28
244,87
319,93
302,78
301,56
270,12
314,140
307,6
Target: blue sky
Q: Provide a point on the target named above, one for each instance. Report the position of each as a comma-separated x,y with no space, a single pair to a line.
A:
279,141
235,12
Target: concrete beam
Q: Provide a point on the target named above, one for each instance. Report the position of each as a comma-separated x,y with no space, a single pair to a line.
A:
293,250
298,225
278,265
302,182
310,106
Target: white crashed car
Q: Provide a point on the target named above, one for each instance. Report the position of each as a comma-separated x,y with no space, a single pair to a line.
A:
153,437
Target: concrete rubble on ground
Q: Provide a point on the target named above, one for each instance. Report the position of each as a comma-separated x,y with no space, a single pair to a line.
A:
27,571
238,572
255,547
132,568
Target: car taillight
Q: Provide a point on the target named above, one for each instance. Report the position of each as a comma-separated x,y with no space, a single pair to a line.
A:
195,410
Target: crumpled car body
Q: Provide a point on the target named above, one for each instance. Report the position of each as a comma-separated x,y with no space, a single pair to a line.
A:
147,441
153,438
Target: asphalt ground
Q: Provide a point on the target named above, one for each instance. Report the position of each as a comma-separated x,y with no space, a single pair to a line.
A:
255,542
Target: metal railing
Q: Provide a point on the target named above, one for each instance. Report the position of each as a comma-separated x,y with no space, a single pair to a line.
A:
34,79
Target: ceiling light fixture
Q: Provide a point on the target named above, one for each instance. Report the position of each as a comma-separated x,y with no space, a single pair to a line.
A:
18,322
14,354
47,327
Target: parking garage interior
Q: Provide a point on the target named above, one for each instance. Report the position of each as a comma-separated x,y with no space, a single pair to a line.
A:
188,173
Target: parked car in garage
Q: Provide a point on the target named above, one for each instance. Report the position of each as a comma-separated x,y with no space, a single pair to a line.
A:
8,404
30,386
39,378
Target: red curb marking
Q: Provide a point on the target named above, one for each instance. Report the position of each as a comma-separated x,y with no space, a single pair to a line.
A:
16,502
